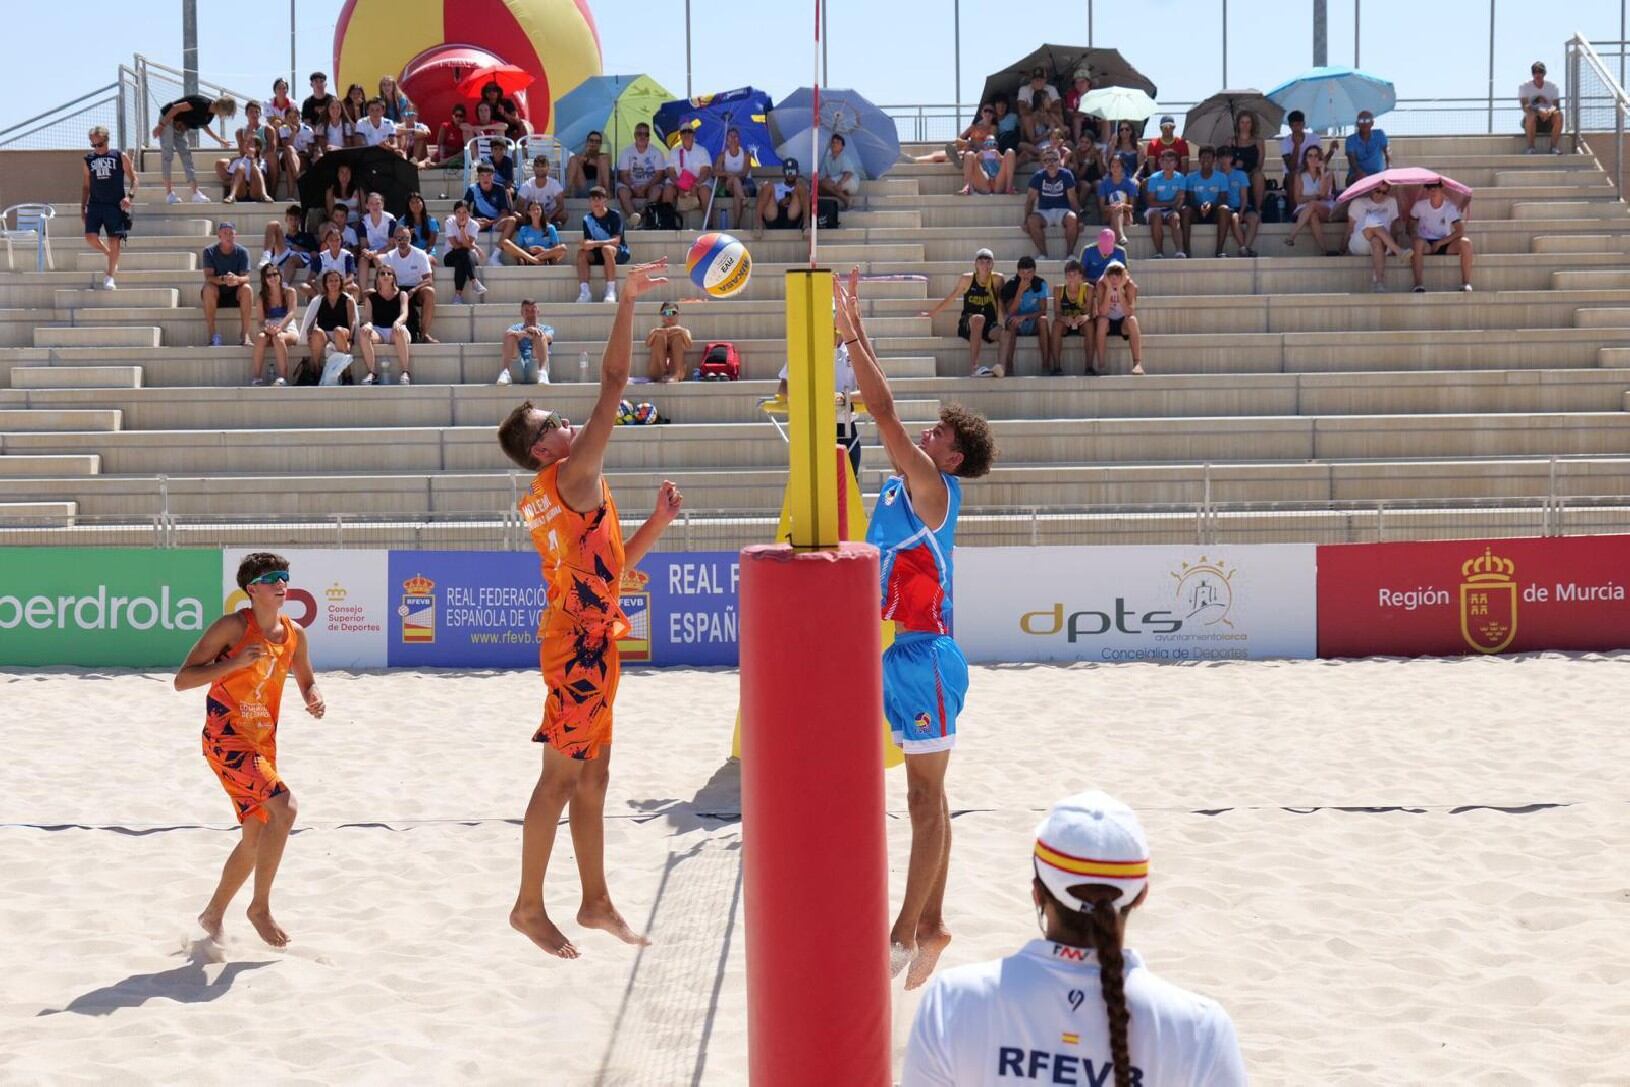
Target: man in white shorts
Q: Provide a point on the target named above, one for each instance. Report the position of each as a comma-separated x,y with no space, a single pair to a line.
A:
415,278
1051,200
1439,230
1071,1007
1165,190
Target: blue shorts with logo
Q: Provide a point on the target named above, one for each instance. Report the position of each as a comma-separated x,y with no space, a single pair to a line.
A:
925,682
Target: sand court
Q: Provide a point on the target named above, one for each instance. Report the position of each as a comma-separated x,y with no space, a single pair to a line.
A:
1391,871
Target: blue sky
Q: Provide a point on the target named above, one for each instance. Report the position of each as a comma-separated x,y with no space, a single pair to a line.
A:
895,51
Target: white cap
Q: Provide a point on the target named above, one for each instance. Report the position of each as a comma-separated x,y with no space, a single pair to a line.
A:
1092,838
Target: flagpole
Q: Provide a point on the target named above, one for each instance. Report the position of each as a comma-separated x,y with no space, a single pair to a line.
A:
815,142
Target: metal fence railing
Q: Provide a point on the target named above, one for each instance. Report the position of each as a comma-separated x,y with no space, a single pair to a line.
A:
1598,105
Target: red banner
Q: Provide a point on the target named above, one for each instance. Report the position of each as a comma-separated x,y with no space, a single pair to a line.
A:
1451,597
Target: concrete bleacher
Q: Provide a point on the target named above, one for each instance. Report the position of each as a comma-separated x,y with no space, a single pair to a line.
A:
1278,387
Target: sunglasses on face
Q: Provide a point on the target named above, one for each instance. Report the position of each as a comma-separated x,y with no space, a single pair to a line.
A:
270,577
552,421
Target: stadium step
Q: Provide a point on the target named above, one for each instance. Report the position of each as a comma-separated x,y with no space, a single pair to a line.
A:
129,298
1575,244
56,465
138,260
1526,211
109,337
76,377
1602,317
1591,279
18,420
37,514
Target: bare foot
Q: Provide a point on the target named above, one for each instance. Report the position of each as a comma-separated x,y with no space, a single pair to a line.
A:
899,956
213,924
536,926
270,931
929,946
604,916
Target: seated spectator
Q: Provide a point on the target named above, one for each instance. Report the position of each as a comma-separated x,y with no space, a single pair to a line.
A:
1294,145
329,328
345,193
277,302
398,107
643,174
503,167
1312,196
1080,124
485,131
1009,133
1439,231
1207,202
347,233
461,234
1374,217
413,137
376,236
315,107
1058,142
839,175
1039,96
1168,140
1024,301
784,205
276,252
295,141
176,119
450,139
333,257
1089,170
387,323
1098,256
1249,155
490,209
1164,193
377,130
981,317
545,190
280,102
1050,200
334,129
1117,198
426,231
505,111
412,268
1541,109
1072,316
355,103
1367,149
734,169
536,242
1035,130
589,167
300,239
226,283
1114,301
972,137
1246,219
1125,148
988,170
253,128
691,166
668,343
527,344
602,244
246,177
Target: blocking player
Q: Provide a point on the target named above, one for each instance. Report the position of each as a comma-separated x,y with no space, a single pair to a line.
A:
573,521
925,677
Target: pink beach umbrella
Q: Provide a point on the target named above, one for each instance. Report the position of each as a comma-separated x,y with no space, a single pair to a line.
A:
1407,182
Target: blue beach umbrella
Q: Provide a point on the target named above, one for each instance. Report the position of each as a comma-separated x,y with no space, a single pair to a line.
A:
612,104
746,109
1334,96
866,130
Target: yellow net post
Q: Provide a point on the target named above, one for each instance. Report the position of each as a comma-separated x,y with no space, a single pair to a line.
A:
812,487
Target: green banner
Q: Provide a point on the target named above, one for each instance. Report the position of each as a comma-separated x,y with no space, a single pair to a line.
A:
105,607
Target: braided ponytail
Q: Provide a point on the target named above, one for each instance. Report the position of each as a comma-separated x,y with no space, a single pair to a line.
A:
1112,976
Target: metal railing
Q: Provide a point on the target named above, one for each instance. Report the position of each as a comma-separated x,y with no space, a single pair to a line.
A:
1596,104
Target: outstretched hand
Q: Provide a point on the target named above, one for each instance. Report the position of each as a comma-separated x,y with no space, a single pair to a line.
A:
643,277
847,296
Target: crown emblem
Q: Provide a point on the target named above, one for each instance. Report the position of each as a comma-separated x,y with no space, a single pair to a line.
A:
634,581
336,592
418,585
1488,567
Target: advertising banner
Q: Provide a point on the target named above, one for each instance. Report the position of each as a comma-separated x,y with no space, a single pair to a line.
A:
104,607
480,609
1036,604
338,596
1452,597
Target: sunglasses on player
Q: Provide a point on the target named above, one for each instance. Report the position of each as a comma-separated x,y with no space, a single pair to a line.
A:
551,421
271,576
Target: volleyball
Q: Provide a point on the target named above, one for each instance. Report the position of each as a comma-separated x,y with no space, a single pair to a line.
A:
719,264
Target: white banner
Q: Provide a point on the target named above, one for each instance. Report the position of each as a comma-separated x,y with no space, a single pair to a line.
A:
1034,604
338,596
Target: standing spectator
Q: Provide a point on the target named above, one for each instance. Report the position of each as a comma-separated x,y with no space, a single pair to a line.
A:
334,128
376,235
334,257
1125,148
1294,145
602,244
642,173
987,170
1050,200
1168,140
1080,123
1164,193
1373,217
1072,316
591,166
398,107
377,130
462,234
356,103
426,232
329,328
387,324
527,343
1439,230
450,139
784,205
1249,155
1114,301
490,209
314,110
734,169
545,190
414,277
226,282
1207,202
536,241
691,166
277,301
1098,256
981,291
279,104
1121,1024
1040,96
1367,149
1247,220
1311,192
104,202
1541,109
839,175
190,114
668,343
1024,300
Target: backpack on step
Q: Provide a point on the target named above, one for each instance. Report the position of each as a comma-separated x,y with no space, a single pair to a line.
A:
827,213
721,362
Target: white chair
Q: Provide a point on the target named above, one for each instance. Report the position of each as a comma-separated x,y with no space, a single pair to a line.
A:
32,221
536,145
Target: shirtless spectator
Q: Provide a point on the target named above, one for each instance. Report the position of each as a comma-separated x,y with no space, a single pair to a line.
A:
589,167
1541,109
734,169
643,174
668,343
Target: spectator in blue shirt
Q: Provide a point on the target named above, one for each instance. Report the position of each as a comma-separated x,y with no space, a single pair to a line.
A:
1207,201
490,209
1367,150
1247,220
1165,191
1117,198
536,241
1050,200
1095,258
1024,301
226,283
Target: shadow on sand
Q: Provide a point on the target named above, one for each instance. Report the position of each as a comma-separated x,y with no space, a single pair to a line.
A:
185,984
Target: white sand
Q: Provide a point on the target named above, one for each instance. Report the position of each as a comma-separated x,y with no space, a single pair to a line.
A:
1425,946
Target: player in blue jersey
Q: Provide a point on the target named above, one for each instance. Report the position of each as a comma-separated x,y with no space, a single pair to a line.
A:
925,677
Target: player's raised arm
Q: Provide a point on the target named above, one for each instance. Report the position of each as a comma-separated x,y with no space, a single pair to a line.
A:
580,474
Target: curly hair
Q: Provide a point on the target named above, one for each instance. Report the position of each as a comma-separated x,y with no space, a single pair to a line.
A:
258,563
973,440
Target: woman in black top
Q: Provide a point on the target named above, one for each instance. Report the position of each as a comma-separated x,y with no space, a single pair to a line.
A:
387,323
190,114
330,319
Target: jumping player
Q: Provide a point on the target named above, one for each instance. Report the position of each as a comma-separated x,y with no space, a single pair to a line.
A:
244,658
925,677
573,521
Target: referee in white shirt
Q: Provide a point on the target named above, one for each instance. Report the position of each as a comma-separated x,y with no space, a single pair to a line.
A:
1074,1007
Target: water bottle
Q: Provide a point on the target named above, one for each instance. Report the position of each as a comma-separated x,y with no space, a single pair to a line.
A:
724,218
582,366
384,370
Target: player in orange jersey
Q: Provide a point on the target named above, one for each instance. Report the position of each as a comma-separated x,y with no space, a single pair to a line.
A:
244,658
573,521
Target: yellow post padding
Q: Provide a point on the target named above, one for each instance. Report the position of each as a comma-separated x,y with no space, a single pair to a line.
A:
812,486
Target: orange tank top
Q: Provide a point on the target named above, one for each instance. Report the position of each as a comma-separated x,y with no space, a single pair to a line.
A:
253,696
581,553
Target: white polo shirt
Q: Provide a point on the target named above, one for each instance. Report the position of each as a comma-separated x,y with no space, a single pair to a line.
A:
1038,1017
411,270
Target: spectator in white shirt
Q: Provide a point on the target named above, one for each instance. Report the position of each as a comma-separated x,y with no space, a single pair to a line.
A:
1373,217
734,168
839,175
643,174
1293,146
460,233
691,165
1008,1020
1541,109
414,275
376,129
544,190
376,232
413,138
1439,230
1038,95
